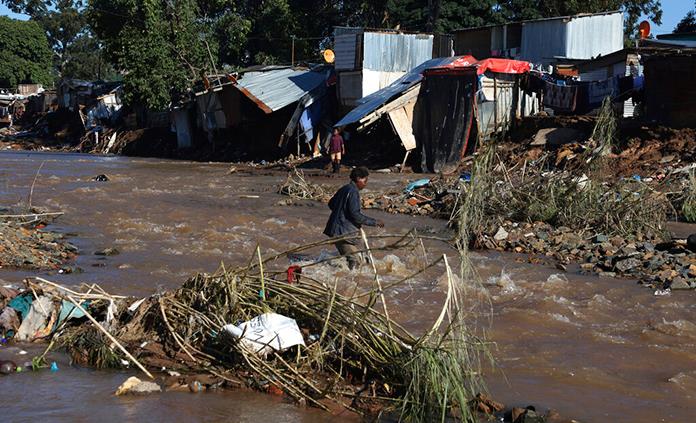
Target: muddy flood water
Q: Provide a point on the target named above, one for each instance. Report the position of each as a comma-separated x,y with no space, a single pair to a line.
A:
593,349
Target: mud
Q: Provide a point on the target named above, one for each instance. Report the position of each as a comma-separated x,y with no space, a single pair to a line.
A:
594,349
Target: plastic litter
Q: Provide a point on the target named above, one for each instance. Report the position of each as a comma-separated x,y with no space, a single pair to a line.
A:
22,304
54,367
416,184
267,332
35,322
662,292
69,311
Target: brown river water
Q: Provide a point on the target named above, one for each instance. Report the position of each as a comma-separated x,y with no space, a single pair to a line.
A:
593,349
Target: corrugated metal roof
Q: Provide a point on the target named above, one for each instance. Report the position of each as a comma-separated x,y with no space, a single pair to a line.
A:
395,52
581,37
345,47
373,101
553,18
275,89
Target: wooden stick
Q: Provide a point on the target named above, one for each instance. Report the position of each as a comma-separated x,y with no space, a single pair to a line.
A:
31,190
11,216
108,335
379,283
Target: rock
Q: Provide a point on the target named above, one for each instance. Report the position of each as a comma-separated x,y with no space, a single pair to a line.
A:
101,178
501,235
107,252
7,367
587,267
627,265
679,283
135,386
607,274
691,243
599,239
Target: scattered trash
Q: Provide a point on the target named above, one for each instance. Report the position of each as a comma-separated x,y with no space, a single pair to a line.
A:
416,184
267,332
101,178
662,292
294,273
195,386
36,322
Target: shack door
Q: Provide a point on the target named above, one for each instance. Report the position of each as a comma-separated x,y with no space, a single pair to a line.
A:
447,117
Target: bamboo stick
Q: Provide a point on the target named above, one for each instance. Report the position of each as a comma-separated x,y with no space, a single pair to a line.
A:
108,335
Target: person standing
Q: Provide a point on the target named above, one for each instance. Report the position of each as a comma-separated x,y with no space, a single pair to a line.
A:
337,150
346,217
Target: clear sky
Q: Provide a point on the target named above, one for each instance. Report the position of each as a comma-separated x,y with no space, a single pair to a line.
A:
673,12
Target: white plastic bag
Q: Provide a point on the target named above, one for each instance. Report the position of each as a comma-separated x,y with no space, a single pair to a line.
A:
267,332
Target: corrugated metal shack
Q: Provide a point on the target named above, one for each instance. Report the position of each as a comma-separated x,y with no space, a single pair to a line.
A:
542,41
270,105
670,87
439,120
625,62
368,60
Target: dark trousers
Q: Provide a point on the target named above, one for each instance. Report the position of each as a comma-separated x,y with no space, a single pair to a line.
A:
349,250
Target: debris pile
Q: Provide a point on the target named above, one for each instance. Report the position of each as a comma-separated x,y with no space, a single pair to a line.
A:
646,257
24,244
250,327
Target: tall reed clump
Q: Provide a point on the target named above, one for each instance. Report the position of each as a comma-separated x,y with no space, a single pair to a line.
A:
688,207
604,135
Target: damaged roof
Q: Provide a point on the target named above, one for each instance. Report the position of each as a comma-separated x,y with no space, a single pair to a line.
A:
373,101
274,89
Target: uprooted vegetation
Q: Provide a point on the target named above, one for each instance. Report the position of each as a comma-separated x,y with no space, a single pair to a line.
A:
353,354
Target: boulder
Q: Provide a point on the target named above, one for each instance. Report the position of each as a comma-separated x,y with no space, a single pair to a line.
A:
679,283
135,386
628,265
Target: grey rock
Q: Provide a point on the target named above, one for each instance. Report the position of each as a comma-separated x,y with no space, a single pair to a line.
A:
501,235
627,265
679,283
107,252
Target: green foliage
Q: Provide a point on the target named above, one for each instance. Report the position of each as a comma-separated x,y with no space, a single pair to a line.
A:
159,44
25,56
86,60
688,22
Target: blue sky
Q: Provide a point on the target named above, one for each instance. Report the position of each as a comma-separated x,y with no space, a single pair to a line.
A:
673,12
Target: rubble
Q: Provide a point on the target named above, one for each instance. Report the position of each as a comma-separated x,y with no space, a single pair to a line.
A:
33,247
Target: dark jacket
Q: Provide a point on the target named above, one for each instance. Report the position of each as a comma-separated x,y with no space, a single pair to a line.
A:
345,212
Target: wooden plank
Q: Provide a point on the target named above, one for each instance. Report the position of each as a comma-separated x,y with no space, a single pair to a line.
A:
403,126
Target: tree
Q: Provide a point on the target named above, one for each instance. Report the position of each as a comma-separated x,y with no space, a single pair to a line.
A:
65,24
24,53
158,44
688,22
86,60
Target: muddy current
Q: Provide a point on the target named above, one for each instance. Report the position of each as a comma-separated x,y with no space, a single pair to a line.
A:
592,349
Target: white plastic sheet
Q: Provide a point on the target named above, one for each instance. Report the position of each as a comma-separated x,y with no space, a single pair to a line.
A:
267,332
